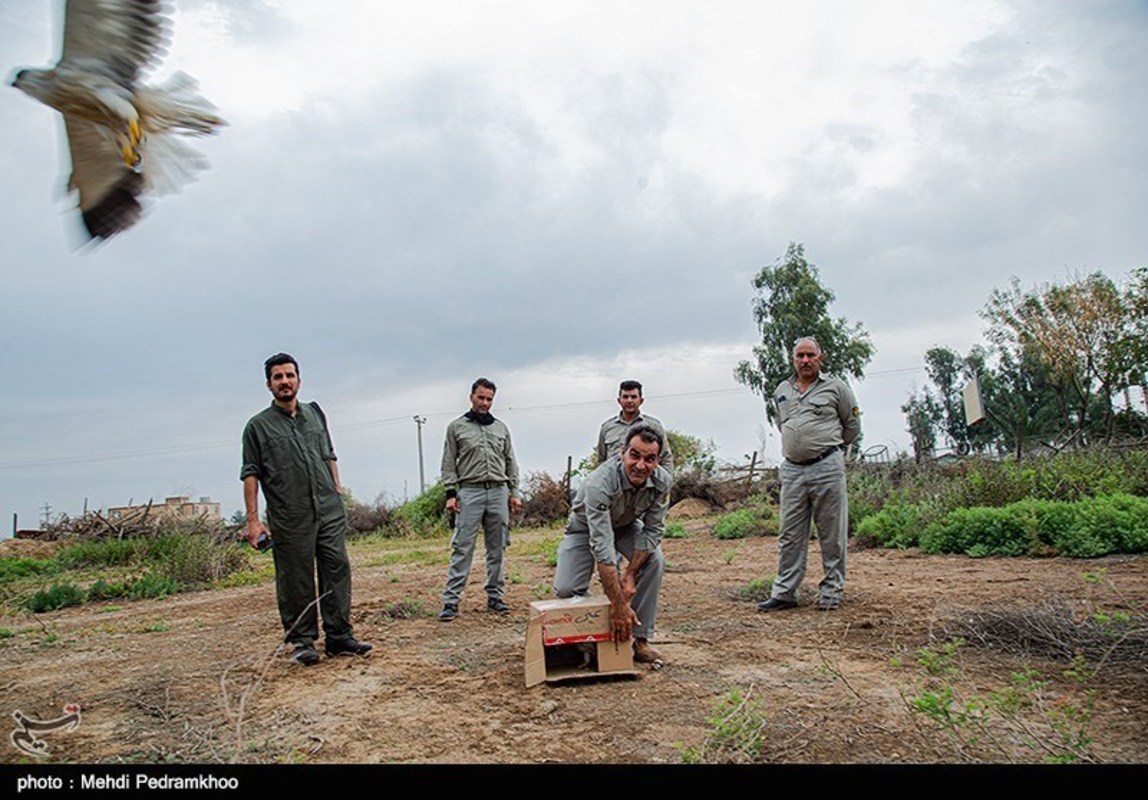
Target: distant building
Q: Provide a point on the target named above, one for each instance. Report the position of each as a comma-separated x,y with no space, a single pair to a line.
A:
171,508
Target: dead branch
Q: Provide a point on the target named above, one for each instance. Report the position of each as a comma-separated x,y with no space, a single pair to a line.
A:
248,692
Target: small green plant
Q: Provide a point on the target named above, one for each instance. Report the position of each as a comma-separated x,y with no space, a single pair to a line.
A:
736,732
60,595
675,530
989,727
756,590
6,633
404,609
155,627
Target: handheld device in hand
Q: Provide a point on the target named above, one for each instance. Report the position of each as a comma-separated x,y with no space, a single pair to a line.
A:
263,543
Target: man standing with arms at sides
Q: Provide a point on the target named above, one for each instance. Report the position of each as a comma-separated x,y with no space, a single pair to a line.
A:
620,510
819,419
287,451
612,434
480,475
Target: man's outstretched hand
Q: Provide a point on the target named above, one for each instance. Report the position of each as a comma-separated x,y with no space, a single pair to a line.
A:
622,621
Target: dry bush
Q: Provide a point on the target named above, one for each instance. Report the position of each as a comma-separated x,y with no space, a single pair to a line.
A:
1054,630
546,501
363,518
94,526
715,491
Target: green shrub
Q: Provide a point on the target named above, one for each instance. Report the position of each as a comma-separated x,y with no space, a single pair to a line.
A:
980,532
675,530
102,590
1087,528
897,525
1104,525
424,515
755,521
102,553
59,596
12,569
996,483
192,559
1132,515
152,585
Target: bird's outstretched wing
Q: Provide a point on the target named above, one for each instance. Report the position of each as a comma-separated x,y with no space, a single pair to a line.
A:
124,137
108,189
117,38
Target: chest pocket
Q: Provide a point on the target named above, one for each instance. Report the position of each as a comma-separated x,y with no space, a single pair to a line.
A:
477,439
823,407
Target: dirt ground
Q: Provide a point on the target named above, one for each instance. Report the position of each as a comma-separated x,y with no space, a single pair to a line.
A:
197,678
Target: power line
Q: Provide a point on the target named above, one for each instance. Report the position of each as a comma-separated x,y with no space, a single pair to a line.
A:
378,423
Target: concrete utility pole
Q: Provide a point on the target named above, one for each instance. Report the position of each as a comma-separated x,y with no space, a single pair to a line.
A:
422,480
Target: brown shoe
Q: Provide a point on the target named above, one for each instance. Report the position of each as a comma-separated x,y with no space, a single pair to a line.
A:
644,654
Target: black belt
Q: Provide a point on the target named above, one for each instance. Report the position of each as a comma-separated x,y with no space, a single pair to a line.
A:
821,457
482,484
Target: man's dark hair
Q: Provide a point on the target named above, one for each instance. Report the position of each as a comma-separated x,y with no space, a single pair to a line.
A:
647,433
484,383
278,360
629,386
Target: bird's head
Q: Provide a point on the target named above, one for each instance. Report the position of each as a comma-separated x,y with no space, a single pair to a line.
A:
34,82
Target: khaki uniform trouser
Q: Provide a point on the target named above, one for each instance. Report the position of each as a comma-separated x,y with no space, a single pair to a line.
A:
814,493
490,510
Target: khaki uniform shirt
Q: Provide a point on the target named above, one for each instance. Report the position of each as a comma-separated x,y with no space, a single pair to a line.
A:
291,455
612,436
474,454
826,416
607,501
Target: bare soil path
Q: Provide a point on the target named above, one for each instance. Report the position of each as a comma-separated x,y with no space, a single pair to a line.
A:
162,681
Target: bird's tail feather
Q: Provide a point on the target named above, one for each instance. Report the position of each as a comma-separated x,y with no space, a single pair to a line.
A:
168,111
167,163
175,106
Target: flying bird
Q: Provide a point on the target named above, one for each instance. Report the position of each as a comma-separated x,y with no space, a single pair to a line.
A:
125,138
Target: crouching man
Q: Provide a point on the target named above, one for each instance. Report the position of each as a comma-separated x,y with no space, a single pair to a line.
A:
620,511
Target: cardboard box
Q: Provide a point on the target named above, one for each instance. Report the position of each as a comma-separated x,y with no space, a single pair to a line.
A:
571,639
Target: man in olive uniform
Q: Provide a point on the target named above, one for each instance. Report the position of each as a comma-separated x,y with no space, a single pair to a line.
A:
620,510
480,475
819,419
612,434
287,451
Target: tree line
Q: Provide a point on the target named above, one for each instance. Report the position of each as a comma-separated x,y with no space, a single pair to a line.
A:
1058,365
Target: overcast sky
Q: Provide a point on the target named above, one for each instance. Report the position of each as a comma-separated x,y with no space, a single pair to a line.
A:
554,195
